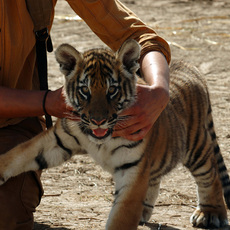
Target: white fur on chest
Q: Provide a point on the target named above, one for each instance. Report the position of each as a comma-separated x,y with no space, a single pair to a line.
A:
111,155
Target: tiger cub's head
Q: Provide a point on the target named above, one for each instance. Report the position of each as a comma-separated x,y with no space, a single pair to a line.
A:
99,85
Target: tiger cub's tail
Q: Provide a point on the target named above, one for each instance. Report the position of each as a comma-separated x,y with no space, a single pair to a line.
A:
223,172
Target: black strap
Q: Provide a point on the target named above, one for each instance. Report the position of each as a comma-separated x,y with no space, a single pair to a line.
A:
40,12
43,43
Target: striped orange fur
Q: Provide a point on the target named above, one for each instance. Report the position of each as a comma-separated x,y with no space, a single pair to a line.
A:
99,85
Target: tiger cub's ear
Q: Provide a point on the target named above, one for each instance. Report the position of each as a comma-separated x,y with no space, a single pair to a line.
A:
129,54
68,58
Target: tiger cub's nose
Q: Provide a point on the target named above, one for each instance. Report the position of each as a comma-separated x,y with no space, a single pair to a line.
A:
98,122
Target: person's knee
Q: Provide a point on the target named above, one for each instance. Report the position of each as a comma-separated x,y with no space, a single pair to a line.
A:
19,198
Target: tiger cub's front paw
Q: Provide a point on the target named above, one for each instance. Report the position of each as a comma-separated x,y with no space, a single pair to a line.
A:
146,213
209,219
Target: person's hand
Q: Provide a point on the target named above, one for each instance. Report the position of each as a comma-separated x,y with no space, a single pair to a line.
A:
56,105
151,98
151,101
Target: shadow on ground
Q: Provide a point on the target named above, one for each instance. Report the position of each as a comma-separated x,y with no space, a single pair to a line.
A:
42,226
151,226
156,226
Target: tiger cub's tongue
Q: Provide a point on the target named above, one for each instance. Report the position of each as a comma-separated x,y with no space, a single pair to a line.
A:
99,132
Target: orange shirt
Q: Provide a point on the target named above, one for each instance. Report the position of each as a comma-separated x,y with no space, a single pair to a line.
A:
110,20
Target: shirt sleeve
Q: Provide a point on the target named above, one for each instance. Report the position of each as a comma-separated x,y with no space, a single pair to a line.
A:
114,23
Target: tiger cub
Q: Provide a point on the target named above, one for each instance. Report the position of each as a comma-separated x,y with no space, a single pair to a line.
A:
99,85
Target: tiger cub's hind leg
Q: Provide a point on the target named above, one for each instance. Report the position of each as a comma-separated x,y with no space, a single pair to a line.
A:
211,211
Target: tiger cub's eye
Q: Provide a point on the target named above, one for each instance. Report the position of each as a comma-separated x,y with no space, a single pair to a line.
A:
112,90
85,89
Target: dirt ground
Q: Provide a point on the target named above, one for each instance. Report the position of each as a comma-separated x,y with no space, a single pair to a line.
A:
78,194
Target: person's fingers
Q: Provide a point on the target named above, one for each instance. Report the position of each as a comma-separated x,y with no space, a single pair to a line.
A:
125,122
135,109
71,115
131,126
139,135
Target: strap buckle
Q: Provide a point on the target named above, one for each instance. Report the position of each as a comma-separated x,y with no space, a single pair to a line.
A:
42,34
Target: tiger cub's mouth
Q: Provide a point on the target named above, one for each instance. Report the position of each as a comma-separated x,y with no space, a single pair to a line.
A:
100,133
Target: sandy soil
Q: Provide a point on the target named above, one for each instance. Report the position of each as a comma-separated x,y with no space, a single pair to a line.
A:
78,194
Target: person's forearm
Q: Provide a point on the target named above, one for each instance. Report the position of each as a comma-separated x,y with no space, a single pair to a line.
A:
20,103
155,70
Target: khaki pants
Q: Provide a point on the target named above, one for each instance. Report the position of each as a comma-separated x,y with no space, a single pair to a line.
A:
20,195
